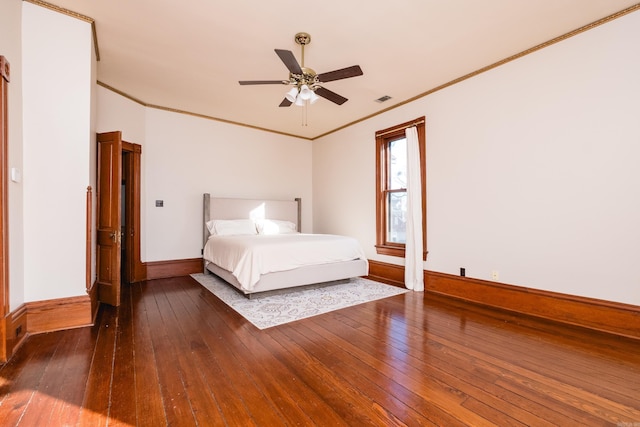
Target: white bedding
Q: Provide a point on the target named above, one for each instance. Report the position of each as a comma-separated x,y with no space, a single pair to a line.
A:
248,257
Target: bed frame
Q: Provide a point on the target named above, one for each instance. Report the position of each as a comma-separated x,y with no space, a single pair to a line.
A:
230,208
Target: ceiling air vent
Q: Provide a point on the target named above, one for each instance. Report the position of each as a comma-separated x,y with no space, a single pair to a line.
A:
383,98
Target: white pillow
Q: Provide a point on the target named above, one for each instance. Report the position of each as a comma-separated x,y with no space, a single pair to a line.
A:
275,226
230,227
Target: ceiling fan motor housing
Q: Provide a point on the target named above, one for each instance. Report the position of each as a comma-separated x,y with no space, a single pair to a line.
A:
308,77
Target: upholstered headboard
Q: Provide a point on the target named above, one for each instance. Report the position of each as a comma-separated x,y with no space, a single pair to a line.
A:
230,208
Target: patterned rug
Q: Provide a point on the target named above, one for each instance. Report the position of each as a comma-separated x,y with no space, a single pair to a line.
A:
272,308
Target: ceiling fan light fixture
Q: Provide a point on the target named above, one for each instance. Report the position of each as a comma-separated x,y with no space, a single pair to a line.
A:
299,102
305,92
313,98
292,94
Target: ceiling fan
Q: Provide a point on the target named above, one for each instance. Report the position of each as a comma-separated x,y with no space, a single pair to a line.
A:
307,83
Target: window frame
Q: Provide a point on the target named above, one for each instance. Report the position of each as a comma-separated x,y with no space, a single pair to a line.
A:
383,138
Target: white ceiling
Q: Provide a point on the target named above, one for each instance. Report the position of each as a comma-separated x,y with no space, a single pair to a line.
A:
188,55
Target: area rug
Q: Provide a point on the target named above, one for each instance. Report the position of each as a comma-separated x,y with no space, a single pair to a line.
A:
268,309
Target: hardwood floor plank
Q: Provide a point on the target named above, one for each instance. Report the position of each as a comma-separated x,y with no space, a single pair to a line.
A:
150,406
436,393
76,372
235,391
383,403
59,395
174,354
467,368
122,409
464,377
173,384
295,403
587,416
341,396
493,359
187,358
577,372
22,376
525,367
97,398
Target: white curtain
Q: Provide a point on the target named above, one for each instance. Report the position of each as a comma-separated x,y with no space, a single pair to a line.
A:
413,270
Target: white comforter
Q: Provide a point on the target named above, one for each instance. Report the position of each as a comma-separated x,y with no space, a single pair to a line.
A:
248,257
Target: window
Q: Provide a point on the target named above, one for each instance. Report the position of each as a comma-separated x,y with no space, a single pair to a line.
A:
391,188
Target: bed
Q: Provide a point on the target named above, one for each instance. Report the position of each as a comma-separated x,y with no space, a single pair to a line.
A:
256,246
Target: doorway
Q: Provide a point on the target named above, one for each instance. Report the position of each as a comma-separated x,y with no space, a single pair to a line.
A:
118,216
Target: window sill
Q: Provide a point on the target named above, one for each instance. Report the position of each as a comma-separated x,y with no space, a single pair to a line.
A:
395,251
390,250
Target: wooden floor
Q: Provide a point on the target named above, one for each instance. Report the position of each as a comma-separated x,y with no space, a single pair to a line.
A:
173,354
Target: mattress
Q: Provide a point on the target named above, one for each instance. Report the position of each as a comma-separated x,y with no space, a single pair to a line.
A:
249,257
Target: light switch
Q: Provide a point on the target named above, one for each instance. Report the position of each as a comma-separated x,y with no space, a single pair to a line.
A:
16,176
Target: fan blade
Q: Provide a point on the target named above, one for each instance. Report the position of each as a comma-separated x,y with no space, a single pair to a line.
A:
331,96
262,82
285,103
343,73
289,60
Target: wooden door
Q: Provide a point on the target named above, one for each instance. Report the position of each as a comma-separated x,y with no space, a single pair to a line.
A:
109,217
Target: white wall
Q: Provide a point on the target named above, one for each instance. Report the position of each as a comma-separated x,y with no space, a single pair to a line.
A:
115,112
532,170
93,161
11,48
184,156
57,134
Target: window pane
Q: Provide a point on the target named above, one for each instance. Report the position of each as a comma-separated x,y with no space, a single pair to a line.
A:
398,164
397,208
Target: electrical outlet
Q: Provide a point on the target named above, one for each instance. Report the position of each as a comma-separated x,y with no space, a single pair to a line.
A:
463,272
495,275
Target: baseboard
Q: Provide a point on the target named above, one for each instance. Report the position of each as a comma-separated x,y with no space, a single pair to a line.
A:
16,329
43,316
173,268
387,273
605,316
58,314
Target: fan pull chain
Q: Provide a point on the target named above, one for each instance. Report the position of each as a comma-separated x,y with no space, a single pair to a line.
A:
304,114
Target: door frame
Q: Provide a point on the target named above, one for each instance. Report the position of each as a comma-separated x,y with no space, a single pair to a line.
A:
130,164
5,308
134,269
